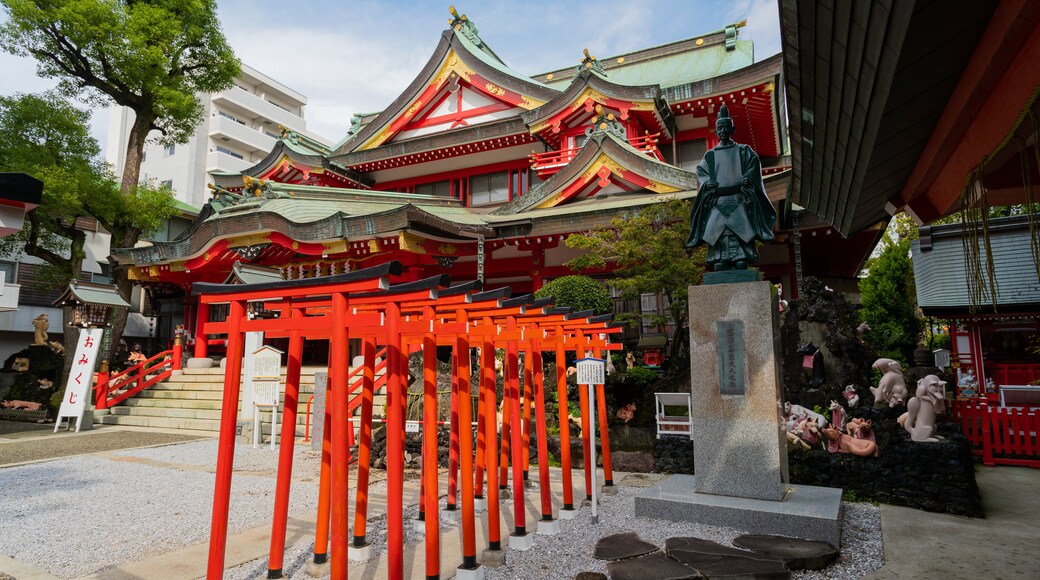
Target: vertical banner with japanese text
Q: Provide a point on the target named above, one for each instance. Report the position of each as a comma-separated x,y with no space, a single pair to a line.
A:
81,377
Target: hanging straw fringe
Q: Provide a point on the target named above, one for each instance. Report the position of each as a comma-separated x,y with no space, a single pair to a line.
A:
975,214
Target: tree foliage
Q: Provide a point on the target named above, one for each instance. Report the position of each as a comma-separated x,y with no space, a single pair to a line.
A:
648,248
890,303
578,292
151,56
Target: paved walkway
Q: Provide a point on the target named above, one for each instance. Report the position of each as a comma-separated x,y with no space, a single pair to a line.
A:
29,442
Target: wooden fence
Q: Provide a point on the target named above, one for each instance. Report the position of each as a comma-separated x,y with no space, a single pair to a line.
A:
1001,435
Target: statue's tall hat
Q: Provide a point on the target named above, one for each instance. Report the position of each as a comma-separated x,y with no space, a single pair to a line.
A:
723,116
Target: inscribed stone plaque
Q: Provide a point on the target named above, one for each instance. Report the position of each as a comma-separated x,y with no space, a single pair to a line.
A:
321,382
740,446
731,357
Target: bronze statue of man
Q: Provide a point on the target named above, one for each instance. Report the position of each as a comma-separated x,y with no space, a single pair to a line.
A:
731,210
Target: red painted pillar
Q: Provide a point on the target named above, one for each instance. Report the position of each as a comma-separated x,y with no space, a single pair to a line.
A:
588,438
433,520
453,440
368,351
506,436
226,443
465,428
512,386
540,430
526,420
340,445
565,424
321,529
200,330
478,470
487,374
285,455
394,445
604,432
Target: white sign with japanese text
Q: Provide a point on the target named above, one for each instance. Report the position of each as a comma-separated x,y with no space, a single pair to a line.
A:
81,377
591,371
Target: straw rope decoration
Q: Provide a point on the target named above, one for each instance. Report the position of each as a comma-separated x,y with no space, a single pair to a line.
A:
975,214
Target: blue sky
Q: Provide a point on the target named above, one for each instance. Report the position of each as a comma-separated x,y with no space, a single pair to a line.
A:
358,56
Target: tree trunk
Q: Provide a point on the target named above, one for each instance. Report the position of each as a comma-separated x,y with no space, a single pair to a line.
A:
70,334
134,150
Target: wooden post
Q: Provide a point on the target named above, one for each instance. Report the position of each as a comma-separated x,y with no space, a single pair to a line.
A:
321,529
101,388
526,419
565,425
540,430
487,373
462,372
512,394
340,445
226,443
453,440
200,330
285,455
394,445
433,520
368,351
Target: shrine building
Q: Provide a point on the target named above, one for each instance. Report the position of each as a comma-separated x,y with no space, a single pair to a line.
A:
481,172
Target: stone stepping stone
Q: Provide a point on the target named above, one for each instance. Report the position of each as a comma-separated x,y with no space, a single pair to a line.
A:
580,576
798,554
656,566
701,546
621,547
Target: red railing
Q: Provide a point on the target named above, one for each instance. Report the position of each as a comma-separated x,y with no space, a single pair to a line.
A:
355,381
1002,436
115,388
548,163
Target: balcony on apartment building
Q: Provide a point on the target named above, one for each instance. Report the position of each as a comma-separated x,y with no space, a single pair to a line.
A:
224,160
224,128
9,294
238,99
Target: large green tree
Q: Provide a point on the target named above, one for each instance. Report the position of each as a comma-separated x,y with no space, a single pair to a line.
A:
151,56
47,137
649,250
890,302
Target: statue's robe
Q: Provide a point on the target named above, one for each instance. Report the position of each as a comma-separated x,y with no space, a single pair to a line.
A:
734,216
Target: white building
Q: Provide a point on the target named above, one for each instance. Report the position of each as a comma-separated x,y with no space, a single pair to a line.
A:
240,127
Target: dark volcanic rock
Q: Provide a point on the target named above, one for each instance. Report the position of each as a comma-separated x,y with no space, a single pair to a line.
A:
798,554
622,546
656,566
590,576
700,546
743,568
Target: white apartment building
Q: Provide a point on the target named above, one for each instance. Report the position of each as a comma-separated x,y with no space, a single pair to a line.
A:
239,129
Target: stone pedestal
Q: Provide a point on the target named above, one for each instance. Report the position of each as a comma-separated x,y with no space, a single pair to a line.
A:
740,449
739,446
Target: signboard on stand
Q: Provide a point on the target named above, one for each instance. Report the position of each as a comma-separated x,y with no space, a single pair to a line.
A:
81,377
267,373
592,372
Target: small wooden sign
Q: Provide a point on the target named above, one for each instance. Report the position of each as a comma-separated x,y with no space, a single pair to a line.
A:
592,371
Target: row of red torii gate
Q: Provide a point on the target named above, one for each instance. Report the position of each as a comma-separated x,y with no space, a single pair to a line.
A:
404,318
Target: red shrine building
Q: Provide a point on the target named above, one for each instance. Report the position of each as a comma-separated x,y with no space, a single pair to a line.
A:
481,172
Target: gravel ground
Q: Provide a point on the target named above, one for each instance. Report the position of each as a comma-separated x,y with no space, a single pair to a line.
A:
566,555
147,509
263,460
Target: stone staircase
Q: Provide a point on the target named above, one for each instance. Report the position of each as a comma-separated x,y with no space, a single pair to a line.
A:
191,399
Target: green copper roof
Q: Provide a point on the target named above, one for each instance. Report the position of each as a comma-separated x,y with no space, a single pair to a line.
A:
678,68
185,208
493,61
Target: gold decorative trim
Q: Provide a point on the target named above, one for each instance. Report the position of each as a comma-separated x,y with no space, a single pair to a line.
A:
248,240
411,243
335,246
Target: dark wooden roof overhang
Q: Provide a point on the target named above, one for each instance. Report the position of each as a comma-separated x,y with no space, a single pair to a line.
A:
453,143
449,41
20,190
867,83
621,153
563,106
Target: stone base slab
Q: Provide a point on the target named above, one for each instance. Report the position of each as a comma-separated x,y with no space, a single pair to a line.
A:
359,553
522,543
567,514
468,574
546,528
493,558
479,505
809,512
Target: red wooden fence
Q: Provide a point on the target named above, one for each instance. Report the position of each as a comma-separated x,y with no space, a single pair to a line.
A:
1003,436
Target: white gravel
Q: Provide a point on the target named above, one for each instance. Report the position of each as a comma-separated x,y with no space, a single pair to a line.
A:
75,516
203,453
566,555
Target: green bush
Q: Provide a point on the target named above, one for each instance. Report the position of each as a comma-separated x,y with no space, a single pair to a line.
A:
578,292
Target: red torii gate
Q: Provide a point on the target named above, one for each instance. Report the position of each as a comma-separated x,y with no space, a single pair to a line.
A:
363,304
